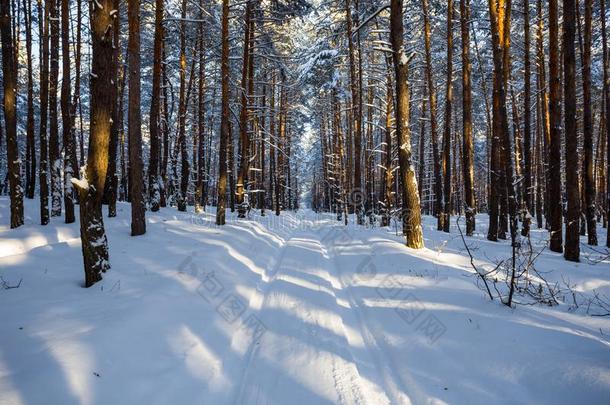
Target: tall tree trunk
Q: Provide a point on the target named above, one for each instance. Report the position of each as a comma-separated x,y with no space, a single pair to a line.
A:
164,128
43,26
244,140
138,206
447,132
357,117
589,178
527,131
272,140
9,77
154,186
438,185
467,145
199,193
544,110
554,171
388,173
263,130
572,244
182,110
54,148
224,120
607,112
91,188
31,144
422,147
66,116
280,184
112,181
76,100
411,216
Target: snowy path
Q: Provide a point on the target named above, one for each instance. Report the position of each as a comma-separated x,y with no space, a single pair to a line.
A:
311,360
296,309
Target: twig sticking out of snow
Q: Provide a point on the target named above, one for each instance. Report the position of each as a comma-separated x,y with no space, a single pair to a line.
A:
5,285
476,269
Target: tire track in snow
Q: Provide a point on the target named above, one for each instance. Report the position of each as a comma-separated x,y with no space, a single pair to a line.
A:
400,388
255,304
331,363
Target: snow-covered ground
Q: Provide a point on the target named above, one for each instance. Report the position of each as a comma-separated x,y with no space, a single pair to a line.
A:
290,310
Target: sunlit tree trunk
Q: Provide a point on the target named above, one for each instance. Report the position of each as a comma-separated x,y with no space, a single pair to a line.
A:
356,113
527,131
572,243
112,181
182,110
91,188
199,192
554,170
224,120
588,170
606,113
467,141
436,157
244,140
411,215
447,196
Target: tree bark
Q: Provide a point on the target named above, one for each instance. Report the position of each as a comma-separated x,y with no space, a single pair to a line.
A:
467,140
30,144
438,185
199,191
43,26
244,140
138,206
9,74
607,112
527,131
182,110
66,114
588,169
54,153
224,120
112,181
93,236
154,186
554,170
572,243
447,196
411,216
356,115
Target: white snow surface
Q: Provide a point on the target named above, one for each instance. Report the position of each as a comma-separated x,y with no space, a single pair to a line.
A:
291,310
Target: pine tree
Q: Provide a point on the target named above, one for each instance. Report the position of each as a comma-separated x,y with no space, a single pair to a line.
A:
411,210
9,74
447,195
69,144
224,120
554,169
138,207
154,181
467,145
43,27
91,188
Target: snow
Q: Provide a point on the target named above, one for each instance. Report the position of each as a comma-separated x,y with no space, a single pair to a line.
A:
291,309
82,184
